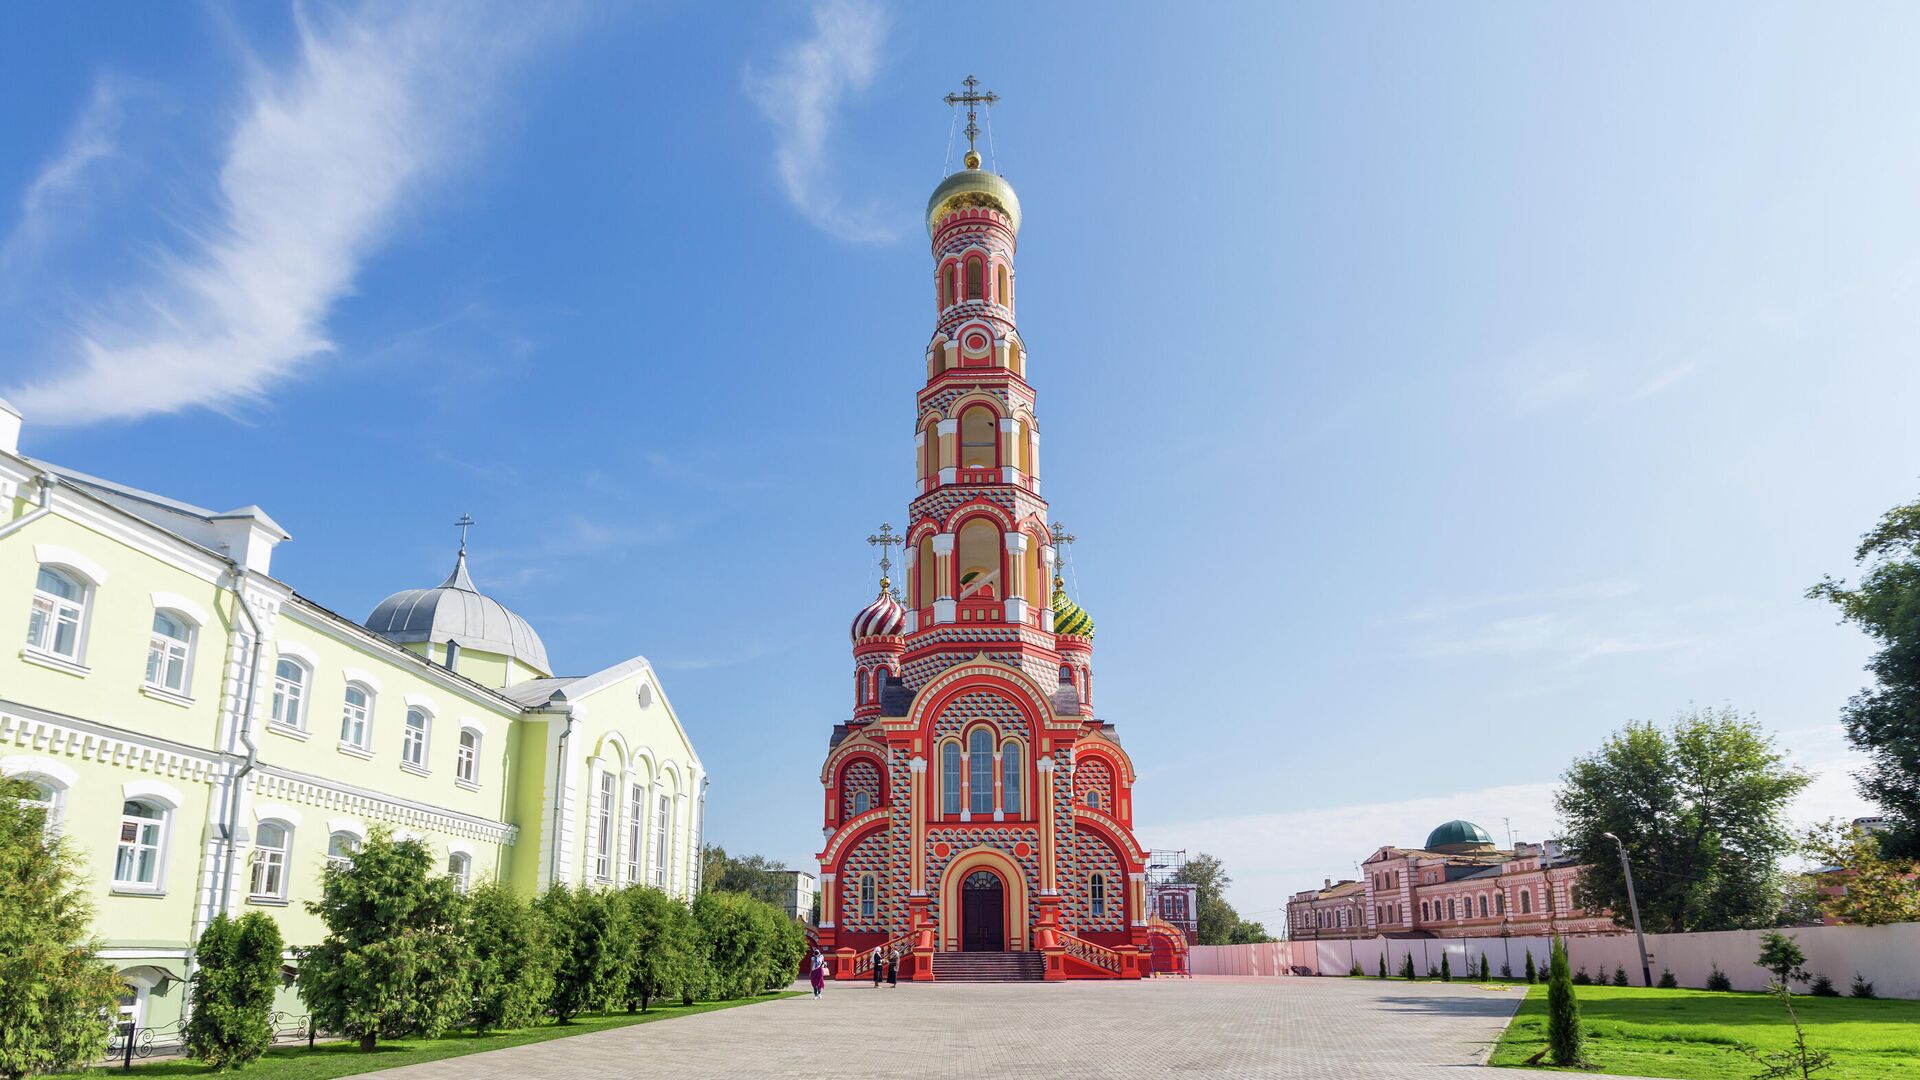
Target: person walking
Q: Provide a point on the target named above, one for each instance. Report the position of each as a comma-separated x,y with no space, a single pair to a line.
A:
893,968
818,976
877,962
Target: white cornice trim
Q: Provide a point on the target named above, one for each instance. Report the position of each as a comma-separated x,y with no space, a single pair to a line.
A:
138,533
363,677
283,783
299,652
22,764
155,790
276,812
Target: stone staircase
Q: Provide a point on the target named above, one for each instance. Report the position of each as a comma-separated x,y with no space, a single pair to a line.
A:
988,967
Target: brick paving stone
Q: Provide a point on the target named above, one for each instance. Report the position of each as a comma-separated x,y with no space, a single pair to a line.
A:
1206,1027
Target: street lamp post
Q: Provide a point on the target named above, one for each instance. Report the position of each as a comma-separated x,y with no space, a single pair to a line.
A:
1633,904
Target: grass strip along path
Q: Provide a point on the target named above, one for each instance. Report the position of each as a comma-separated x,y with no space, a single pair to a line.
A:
333,1059
1690,1034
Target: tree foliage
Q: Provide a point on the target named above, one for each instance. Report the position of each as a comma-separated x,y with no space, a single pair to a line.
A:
397,955
1700,806
1247,932
764,879
585,928
661,960
53,989
1879,890
1566,1042
513,959
750,946
1782,956
1215,921
237,971
1883,720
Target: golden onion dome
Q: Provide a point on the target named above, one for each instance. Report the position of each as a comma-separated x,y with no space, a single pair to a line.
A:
971,187
1069,618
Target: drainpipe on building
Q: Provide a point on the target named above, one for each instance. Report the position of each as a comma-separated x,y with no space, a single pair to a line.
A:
242,727
47,484
559,800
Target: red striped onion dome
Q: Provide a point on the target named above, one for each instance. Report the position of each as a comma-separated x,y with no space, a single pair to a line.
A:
883,617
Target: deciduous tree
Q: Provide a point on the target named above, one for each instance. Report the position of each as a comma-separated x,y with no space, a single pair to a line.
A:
1879,890
53,988
1214,918
1883,720
1701,807
396,958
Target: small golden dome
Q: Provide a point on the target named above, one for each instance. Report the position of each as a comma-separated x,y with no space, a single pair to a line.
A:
973,187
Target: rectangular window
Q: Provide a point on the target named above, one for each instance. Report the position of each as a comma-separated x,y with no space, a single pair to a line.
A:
136,863
1097,895
980,772
353,718
167,653
59,607
866,897
289,686
466,763
1010,774
413,741
603,848
636,829
661,811
270,845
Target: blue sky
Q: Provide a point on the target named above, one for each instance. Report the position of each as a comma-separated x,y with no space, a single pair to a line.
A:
1433,388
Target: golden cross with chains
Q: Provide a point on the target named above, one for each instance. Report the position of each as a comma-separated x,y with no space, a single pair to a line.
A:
971,99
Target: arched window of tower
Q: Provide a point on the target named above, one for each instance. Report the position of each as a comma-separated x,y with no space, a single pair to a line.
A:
978,438
1036,578
1000,294
927,580
976,279
946,288
979,552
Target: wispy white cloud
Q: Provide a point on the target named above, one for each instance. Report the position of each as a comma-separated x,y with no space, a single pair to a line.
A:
92,138
325,153
802,96
1663,380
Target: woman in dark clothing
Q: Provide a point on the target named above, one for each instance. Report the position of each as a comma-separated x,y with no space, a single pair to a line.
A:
878,961
893,968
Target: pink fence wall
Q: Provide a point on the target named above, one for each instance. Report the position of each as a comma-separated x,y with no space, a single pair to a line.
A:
1888,956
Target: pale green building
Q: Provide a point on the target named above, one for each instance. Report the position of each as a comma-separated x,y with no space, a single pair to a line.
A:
208,738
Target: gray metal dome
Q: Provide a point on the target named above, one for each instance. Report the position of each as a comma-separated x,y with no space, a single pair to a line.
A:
456,611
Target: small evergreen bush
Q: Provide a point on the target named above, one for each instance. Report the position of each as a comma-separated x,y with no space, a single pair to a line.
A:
1861,988
1383,963
233,985
1667,981
1566,1042
1717,979
1823,987
1485,972
1602,978
1620,975
1356,971
1581,978
1406,968
1781,955
1446,969
1506,971
1533,976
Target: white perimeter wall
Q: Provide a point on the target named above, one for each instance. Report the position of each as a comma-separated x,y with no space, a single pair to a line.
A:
1889,956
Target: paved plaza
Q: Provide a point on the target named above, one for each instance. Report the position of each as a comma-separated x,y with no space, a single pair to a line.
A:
1201,1027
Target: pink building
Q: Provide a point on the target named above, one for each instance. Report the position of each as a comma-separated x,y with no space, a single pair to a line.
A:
1457,885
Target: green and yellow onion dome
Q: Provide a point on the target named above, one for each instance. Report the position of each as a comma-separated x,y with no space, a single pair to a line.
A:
1069,618
973,187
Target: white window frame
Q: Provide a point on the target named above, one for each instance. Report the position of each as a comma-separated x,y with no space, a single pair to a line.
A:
979,796
662,827
162,827
606,813
636,829
460,869
1012,777
466,757
270,863
950,755
1097,896
365,718
167,653
49,610
281,715
869,896
53,805
352,843
416,742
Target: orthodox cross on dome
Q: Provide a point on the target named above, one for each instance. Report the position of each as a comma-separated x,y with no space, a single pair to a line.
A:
883,540
970,98
1061,540
465,523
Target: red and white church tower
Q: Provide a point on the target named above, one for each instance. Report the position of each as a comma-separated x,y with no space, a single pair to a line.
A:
975,802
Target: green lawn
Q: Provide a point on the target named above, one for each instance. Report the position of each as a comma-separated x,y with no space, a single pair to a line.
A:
329,1060
1689,1034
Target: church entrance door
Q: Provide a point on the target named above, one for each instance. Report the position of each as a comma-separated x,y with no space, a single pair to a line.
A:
983,913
